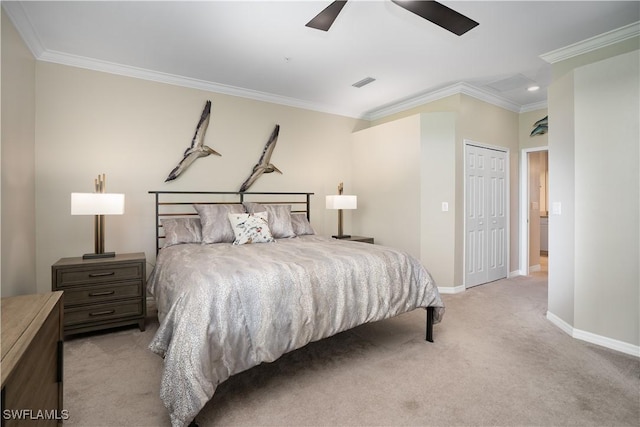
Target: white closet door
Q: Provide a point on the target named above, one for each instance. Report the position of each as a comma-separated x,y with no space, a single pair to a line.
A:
485,215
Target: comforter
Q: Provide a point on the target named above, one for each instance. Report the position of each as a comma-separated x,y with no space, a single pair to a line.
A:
224,308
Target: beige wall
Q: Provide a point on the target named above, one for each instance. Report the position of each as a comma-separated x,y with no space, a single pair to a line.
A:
526,121
135,131
18,249
443,128
561,190
386,179
594,174
607,198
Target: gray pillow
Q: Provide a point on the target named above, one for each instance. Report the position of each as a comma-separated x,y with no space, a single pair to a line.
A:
279,218
181,230
216,227
301,224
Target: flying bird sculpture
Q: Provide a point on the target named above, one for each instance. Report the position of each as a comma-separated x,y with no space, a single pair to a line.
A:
263,165
540,127
197,148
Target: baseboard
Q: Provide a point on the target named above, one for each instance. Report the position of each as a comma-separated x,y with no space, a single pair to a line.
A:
515,273
451,289
534,268
623,347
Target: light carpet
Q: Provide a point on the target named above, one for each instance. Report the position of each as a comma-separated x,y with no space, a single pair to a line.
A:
496,361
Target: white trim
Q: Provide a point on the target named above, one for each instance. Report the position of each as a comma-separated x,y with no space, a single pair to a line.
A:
515,273
533,107
458,88
592,338
18,17
593,43
564,326
17,14
451,289
534,268
524,207
176,80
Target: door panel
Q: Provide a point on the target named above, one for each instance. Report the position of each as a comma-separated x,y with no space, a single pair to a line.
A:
486,219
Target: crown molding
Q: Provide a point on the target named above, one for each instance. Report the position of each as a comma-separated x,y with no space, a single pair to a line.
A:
457,88
172,79
593,43
533,107
18,16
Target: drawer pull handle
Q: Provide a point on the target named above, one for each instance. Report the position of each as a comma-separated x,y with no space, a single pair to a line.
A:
109,273
99,294
102,313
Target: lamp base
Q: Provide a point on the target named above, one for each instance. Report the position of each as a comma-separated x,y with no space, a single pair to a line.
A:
342,236
102,255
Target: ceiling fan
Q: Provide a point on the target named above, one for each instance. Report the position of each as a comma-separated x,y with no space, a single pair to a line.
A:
430,10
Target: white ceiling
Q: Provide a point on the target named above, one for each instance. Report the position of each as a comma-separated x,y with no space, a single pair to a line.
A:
262,49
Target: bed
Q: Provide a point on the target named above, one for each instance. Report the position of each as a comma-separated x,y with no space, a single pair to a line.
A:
228,303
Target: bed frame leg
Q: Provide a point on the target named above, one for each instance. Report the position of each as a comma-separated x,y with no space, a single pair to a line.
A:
193,423
430,311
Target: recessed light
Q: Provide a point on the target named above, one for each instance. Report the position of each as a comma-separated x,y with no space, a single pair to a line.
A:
533,88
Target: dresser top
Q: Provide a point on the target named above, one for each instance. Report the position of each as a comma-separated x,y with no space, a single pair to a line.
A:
137,256
22,317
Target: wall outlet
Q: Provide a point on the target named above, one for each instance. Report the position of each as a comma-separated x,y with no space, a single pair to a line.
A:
445,207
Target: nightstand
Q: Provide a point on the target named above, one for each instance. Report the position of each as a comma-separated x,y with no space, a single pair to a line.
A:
101,293
359,239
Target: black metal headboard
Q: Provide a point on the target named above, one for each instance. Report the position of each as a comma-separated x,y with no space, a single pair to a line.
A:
180,203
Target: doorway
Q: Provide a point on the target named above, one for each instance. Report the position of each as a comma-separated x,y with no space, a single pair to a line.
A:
486,214
534,210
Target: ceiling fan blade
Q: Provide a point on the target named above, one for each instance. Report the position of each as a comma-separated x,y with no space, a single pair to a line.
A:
439,14
324,19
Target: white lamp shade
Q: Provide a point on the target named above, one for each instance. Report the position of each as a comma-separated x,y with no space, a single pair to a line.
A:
97,204
342,201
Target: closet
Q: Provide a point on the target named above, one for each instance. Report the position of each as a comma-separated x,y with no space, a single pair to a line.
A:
486,172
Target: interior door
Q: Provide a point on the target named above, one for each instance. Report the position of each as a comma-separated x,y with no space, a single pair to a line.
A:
497,216
485,215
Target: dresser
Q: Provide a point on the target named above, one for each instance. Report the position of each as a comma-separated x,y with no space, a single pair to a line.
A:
32,351
101,293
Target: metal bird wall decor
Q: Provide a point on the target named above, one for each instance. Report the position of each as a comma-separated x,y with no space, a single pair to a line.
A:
540,127
264,165
197,148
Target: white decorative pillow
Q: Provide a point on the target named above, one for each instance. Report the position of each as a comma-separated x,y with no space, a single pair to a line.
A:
251,228
215,222
301,224
279,218
181,230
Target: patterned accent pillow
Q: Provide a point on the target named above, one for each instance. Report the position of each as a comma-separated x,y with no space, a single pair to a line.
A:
279,218
215,222
301,224
181,230
251,228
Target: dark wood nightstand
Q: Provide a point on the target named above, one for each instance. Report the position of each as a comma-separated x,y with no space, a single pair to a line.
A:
359,239
101,293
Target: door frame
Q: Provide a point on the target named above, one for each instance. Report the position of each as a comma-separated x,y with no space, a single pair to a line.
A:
524,207
507,246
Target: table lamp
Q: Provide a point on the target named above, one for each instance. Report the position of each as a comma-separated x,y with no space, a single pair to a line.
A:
340,202
99,204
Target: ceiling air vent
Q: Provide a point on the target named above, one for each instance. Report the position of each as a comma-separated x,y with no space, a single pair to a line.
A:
363,82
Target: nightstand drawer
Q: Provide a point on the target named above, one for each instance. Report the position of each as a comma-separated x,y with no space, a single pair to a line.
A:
101,312
103,293
114,273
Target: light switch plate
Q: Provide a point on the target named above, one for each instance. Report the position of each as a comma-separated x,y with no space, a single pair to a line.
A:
556,208
445,207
